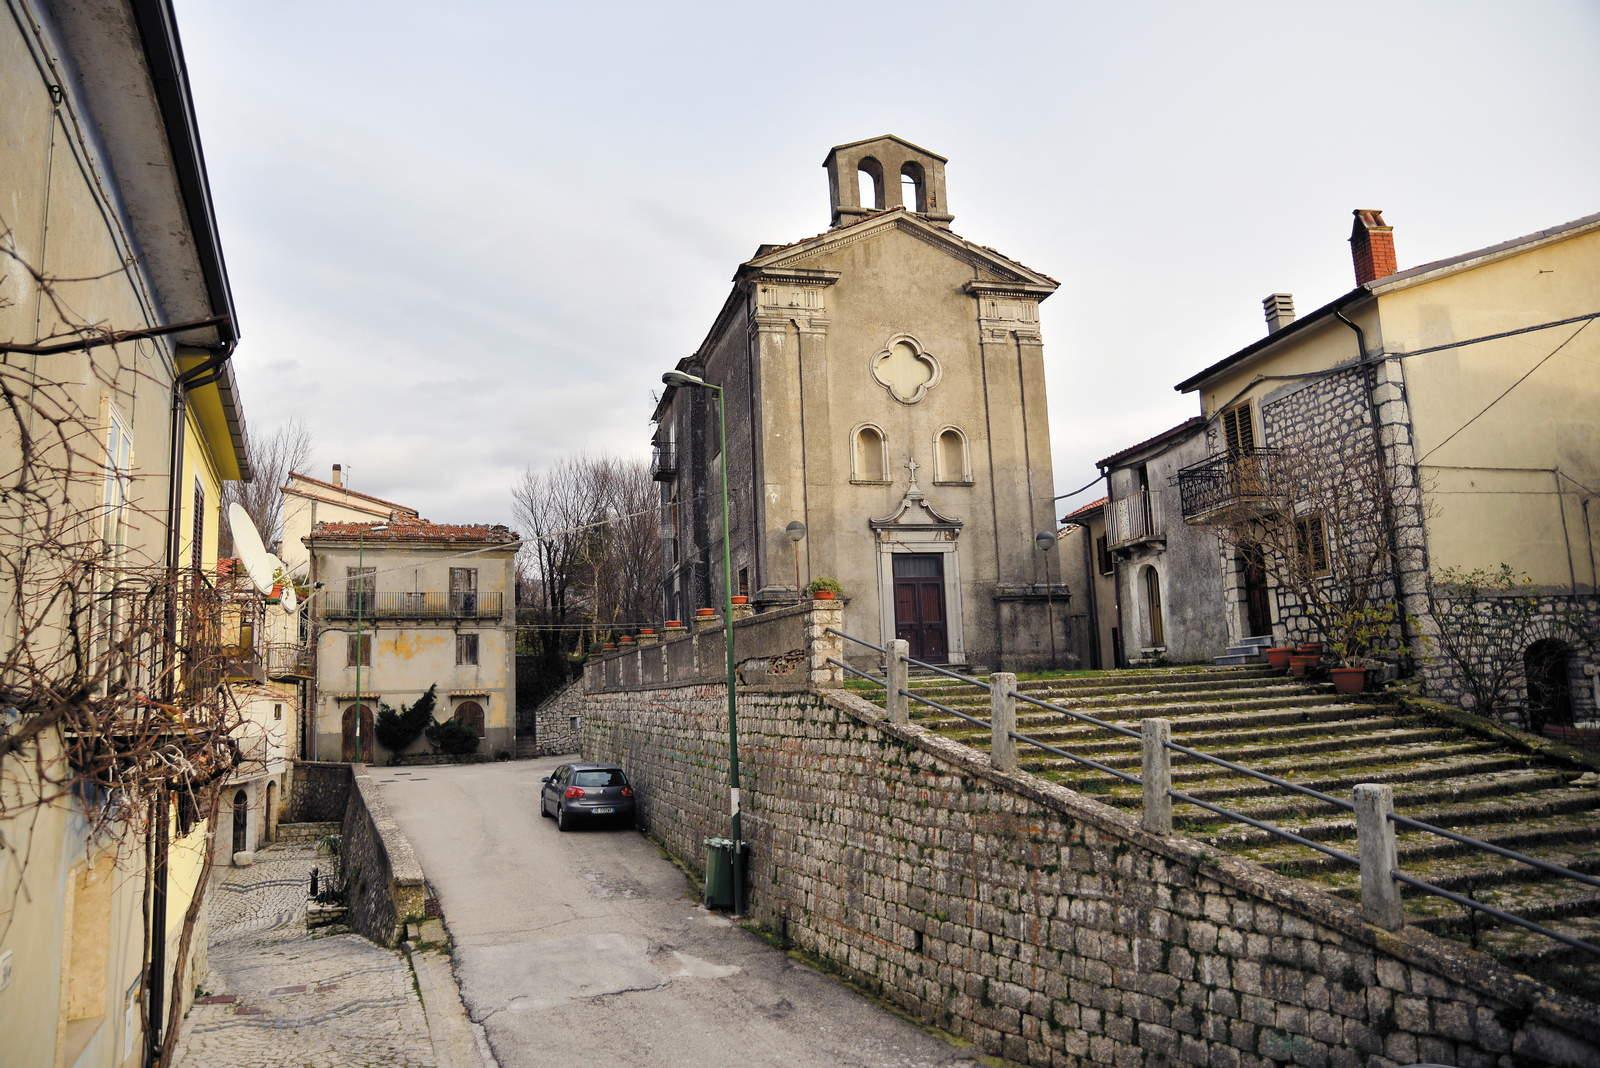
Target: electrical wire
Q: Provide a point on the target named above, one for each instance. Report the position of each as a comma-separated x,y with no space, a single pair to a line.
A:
1507,391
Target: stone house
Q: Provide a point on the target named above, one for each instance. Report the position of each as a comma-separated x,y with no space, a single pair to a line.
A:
1471,381
885,388
1167,586
403,605
1095,639
102,167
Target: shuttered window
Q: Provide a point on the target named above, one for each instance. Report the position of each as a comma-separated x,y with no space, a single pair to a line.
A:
1311,541
1238,429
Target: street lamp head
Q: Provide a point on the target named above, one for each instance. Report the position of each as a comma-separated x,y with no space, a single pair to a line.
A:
680,378
1044,540
795,530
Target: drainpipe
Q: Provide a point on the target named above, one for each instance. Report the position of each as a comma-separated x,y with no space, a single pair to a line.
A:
155,986
1369,383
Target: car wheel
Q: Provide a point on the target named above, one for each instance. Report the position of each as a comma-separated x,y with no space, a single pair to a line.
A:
561,818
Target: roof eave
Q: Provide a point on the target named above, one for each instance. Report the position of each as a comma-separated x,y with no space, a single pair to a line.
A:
1274,339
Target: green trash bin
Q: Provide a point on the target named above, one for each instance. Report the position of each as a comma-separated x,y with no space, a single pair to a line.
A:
719,873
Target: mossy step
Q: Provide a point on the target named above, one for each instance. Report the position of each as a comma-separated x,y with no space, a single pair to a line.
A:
1552,899
1293,767
1104,693
1468,873
1527,949
1207,696
1408,796
1130,716
1125,677
1580,835
1183,719
1476,761
1325,826
1120,751
1199,735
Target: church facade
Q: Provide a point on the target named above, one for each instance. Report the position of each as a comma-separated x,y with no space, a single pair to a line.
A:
886,424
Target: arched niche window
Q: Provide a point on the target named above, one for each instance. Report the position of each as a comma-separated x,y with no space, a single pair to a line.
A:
869,184
913,187
470,715
869,455
951,460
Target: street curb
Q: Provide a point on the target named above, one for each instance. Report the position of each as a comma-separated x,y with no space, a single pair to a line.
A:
456,1039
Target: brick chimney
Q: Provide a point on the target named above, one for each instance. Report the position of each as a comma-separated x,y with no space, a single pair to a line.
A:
1279,310
338,474
1372,246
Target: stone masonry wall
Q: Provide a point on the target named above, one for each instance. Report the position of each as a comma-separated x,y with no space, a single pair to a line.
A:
382,878
318,792
1046,927
553,721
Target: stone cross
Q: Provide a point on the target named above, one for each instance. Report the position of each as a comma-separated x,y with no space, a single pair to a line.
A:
911,465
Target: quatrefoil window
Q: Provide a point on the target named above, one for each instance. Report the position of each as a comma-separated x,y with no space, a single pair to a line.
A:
905,370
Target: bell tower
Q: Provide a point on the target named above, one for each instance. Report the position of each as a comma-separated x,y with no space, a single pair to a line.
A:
882,173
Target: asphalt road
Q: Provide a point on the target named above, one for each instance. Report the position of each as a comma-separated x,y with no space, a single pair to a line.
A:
589,948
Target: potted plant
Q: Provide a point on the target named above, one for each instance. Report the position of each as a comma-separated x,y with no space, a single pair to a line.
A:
1278,657
704,613
1358,633
1303,664
647,631
1309,649
627,639
740,599
673,623
824,589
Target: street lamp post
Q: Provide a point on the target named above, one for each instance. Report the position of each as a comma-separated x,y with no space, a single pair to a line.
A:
1046,541
797,533
679,378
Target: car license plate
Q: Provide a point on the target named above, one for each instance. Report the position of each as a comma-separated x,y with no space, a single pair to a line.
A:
605,811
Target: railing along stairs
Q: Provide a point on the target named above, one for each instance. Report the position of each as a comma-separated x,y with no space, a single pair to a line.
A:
1372,804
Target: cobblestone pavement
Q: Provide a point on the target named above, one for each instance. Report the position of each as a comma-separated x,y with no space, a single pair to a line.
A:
277,996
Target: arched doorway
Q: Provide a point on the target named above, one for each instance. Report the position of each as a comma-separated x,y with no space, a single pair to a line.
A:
1152,607
270,831
470,715
241,821
357,751
1547,664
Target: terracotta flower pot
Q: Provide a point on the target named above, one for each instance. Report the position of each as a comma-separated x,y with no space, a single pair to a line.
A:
824,595
704,613
643,631
1349,679
1309,648
741,600
1278,657
609,647
1301,666
674,623
627,639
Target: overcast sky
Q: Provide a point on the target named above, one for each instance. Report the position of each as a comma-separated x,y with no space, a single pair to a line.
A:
466,239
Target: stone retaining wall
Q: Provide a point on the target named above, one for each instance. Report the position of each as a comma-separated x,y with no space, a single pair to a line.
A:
318,792
554,730
1042,925
383,881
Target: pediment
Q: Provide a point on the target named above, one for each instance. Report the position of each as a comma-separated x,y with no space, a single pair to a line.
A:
801,253
916,512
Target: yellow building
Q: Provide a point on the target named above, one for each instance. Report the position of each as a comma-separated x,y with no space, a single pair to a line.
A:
1474,379
132,424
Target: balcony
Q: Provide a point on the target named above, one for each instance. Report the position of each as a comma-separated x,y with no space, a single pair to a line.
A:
457,604
1221,486
664,461
289,660
1134,521
241,664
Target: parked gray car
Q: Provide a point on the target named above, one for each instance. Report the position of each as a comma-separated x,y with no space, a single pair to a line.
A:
587,793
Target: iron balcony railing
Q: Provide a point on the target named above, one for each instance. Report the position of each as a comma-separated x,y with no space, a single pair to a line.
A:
385,605
288,660
1372,806
1227,480
1135,519
664,461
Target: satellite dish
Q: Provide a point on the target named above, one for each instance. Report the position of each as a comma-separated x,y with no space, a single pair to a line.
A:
288,601
260,565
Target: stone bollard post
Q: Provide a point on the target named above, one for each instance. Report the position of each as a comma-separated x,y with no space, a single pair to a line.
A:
821,646
896,674
1155,773
743,611
1003,720
1380,894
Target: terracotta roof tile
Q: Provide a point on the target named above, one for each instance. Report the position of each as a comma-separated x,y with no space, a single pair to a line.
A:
1191,423
415,530
1085,510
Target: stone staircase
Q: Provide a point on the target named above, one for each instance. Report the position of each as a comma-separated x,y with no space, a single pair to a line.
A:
1248,651
1444,774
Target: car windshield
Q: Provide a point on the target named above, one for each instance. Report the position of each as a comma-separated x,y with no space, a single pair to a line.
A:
603,777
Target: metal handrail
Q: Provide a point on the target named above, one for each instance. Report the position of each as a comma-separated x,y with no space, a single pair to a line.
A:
1276,831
